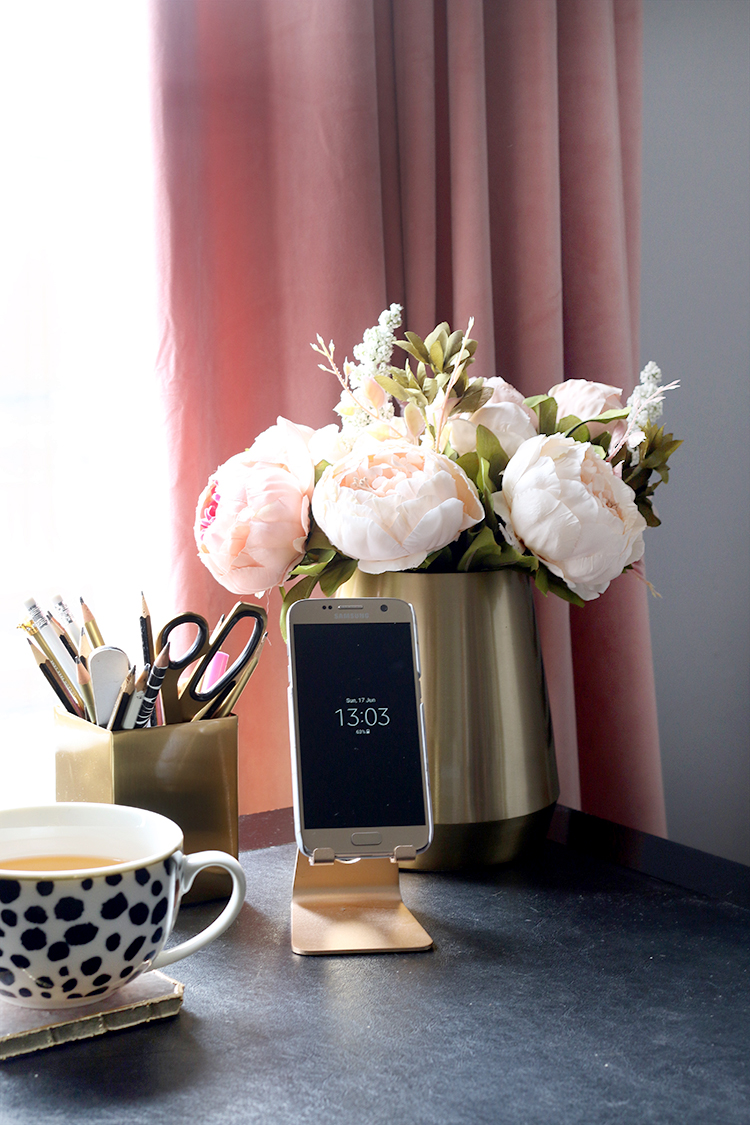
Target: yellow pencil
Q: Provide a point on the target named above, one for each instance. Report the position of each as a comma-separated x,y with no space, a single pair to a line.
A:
91,627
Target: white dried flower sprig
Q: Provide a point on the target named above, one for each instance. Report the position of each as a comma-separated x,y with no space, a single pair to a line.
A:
374,353
644,408
362,401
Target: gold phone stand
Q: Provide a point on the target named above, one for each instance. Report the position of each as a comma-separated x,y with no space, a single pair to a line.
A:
352,908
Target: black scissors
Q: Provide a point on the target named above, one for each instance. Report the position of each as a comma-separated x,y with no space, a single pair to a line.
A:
187,702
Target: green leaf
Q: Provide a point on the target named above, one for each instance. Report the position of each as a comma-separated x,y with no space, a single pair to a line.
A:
317,566
396,389
486,488
610,415
645,507
469,462
429,340
442,555
474,398
483,542
534,401
541,579
547,582
490,450
320,468
336,575
577,429
317,540
430,390
546,412
417,345
453,346
486,552
418,353
437,355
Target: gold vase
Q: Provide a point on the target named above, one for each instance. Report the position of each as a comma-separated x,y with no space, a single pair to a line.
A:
493,773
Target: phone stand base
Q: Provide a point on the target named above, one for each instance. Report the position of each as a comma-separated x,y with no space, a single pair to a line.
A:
352,908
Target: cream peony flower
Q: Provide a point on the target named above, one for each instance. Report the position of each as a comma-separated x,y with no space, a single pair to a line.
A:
587,400
253,517
389,504
562,501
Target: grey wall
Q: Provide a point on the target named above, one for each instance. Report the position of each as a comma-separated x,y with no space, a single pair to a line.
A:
695,310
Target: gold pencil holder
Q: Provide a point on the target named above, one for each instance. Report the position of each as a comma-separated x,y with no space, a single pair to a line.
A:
185,771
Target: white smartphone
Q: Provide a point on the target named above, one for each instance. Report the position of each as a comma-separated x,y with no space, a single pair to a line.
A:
359,763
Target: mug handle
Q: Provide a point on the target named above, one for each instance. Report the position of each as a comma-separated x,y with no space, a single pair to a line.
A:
191,865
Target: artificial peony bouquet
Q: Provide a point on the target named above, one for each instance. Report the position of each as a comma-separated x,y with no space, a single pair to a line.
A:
432,470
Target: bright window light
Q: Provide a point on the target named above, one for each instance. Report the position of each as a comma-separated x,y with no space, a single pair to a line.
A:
82,457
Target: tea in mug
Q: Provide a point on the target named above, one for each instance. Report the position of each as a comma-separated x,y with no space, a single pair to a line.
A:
56,862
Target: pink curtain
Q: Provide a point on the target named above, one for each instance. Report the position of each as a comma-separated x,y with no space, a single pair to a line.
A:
322,159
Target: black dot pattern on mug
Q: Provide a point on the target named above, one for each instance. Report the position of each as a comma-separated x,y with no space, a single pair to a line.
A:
70,927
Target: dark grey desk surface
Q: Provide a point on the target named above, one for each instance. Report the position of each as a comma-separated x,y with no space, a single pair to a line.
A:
564,989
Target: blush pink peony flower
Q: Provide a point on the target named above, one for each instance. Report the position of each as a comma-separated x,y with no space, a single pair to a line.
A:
389,504
253,517
563,501
587,400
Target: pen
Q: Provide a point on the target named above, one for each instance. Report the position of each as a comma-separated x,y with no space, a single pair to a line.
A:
48,671
90,625
155,680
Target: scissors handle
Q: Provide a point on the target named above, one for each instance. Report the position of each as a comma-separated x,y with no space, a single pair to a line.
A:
170,695
231,682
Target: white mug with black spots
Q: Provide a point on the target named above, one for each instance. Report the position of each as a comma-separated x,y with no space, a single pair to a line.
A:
89,894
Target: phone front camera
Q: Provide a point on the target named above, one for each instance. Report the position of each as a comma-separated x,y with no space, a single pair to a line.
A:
384,609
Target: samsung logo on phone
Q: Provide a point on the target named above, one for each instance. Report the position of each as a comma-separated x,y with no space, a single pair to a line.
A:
350,615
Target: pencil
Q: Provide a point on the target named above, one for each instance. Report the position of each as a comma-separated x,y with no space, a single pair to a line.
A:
155,680
62,635
136,699
86,690
68,622
59,654
54,681
122,701
147,636
84,648
62,673
91,627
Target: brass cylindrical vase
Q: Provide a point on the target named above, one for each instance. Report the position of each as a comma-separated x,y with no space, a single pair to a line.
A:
491,753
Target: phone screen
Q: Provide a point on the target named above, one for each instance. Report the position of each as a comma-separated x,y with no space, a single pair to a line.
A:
360,757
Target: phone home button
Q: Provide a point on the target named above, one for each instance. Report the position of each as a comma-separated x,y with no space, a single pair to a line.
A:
363,839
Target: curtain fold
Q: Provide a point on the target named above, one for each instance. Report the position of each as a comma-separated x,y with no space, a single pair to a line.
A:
322,159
